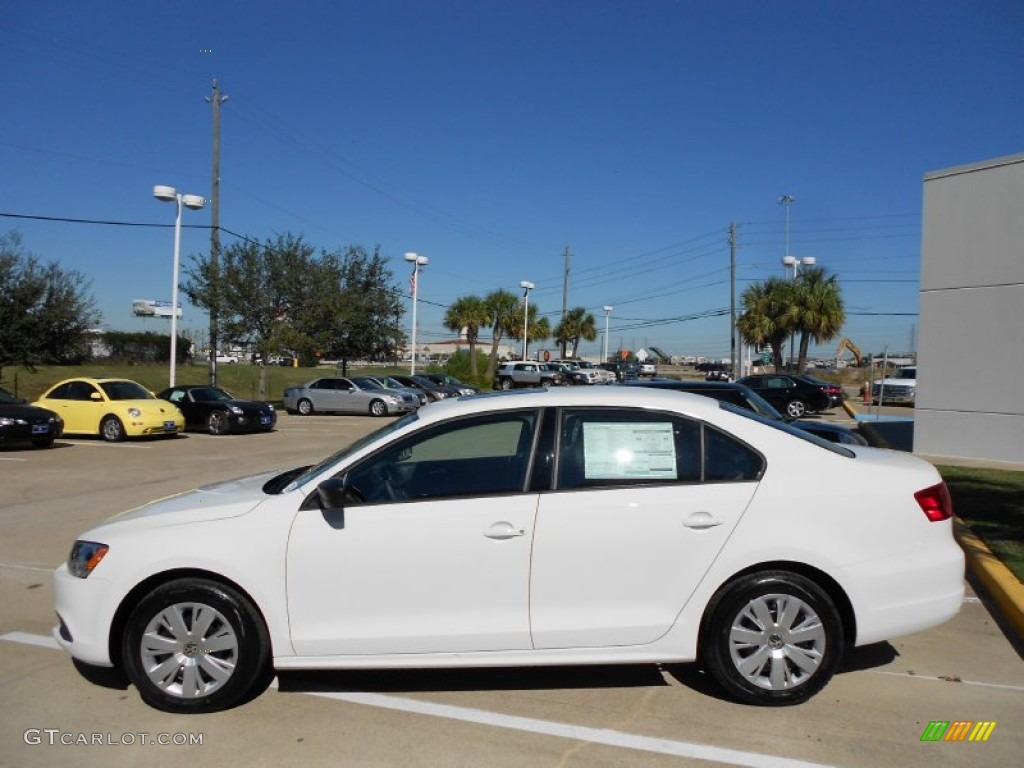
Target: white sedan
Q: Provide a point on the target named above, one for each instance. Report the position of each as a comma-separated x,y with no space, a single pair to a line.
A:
549,527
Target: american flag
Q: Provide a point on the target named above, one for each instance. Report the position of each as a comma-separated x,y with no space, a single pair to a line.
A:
412,281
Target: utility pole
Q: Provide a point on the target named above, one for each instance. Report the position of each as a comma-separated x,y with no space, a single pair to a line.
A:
732,301
565,296
216,99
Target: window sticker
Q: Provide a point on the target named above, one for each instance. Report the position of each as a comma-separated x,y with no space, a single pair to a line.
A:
637,451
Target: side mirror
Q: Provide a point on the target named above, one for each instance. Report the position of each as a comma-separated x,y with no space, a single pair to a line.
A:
329,497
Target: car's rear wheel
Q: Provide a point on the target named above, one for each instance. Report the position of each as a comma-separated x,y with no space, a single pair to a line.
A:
193,645
772,638
218,423
378,408
796,409
304,407
111,429
506,384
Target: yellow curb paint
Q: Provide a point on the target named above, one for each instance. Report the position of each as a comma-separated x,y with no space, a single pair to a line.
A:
1005,588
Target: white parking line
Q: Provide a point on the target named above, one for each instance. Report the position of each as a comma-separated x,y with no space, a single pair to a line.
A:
4,458
603,736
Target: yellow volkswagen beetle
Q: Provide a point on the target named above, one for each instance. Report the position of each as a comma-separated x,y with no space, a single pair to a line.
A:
114,409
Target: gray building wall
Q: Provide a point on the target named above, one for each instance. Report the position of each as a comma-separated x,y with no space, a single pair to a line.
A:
971,338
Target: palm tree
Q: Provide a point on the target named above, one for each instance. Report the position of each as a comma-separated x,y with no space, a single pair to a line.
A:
817,312
577,325
501,308
469,313
537,328
767,315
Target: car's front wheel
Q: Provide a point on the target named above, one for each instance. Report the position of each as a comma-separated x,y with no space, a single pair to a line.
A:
796,409
194,645
772,638
218,423
112,430
378,408
304,406
506,384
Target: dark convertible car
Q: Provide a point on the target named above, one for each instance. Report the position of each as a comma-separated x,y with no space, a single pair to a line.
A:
218,412
24,423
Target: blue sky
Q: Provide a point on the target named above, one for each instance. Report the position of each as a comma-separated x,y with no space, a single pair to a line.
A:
489,136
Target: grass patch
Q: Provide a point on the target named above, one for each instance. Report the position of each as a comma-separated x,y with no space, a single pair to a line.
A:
991,502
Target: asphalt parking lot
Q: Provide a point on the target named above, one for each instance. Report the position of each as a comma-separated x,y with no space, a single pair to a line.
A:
872,714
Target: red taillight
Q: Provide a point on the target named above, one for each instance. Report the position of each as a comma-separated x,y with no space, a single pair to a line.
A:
935,503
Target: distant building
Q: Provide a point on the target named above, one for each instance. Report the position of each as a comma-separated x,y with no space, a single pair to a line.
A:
969,364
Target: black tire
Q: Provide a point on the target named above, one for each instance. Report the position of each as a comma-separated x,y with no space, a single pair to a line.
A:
43,442
505,384
796,409
785,663
304,407
218,423
112,430
378,408
229,670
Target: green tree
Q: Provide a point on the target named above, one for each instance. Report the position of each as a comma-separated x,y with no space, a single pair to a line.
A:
817,312
45,311
258,289
357,310
471,313
578,325
767,315
538,328
501,308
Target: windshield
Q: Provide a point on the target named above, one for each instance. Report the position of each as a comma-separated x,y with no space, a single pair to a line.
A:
365,382
907,373
211,393
349,450
789,429
125,390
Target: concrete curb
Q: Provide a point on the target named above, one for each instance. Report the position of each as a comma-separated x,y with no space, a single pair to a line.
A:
1005,589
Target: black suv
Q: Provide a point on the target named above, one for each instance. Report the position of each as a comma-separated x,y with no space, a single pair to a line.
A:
744,397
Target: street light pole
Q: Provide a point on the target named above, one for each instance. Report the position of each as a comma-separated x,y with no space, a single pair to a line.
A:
607,314
527,286
192,202
417,262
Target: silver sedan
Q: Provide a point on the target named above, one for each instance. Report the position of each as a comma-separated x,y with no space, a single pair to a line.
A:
340,395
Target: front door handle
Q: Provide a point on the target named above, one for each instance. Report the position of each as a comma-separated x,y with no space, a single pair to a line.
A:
503,530
701,521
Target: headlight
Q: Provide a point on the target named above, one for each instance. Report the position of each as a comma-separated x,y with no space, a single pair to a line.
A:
236,410
85,556
6,421
134,413
270,407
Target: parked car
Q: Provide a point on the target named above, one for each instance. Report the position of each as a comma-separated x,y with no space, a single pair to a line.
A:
647,369
527,373
335,394
375,382
743,396
114,409
794,395
24,423
444,380
898,389
217,411
622,371
433,390
451,538
585,372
